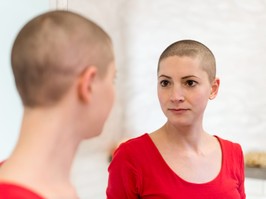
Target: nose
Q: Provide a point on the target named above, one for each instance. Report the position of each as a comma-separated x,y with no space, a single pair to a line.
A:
177,95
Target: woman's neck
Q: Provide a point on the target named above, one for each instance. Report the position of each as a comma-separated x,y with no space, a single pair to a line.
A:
44,153
185,137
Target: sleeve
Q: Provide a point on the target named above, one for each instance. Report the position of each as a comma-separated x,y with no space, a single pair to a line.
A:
241,188
123,181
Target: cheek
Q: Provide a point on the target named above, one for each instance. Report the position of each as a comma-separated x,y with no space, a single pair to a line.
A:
111,96
163,94
202,98
159,95
112,92
163,98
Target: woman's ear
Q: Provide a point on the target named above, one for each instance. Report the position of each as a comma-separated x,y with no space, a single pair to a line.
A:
214,88
86,81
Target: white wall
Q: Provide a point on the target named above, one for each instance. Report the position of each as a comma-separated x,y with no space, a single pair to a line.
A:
14,14
234,30
141,30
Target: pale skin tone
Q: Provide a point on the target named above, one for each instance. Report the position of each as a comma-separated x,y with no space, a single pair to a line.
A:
184,90
50,136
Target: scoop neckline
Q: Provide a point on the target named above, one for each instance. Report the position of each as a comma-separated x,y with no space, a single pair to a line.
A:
176,174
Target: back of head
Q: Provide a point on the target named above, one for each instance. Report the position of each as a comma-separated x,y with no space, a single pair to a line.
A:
51,50
193,49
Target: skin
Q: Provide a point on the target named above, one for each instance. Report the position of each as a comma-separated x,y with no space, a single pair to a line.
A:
184,90
42,144
64,104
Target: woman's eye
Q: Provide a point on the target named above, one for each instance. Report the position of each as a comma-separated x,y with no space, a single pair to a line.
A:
191,83
164,83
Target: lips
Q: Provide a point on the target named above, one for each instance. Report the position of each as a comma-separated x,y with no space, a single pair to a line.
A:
178,110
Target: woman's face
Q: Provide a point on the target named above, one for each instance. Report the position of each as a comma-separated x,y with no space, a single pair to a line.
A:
184,90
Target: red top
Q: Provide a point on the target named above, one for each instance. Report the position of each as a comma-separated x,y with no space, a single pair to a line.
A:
13,191
138,171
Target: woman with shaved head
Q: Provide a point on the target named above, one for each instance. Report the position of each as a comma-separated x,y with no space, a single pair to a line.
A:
180,160
63,66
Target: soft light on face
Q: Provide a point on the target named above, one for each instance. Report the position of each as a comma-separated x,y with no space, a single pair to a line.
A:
110,86
183,89
105,97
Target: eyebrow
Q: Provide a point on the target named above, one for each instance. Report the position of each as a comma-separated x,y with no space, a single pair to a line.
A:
165,76
185,77
190,76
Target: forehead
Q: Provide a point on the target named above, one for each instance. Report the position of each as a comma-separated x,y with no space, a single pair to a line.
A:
178,63
177,67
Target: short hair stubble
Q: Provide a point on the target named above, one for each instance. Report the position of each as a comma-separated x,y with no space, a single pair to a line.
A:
193,49
51,50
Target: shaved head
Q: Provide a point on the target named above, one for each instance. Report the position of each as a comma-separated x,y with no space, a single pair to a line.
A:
51,50
193,49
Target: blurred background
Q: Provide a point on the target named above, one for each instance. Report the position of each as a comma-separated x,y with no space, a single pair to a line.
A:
233,29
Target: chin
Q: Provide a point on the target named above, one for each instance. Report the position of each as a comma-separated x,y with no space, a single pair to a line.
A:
180,123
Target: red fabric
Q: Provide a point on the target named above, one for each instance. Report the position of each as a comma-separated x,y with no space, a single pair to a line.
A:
138,171
12,191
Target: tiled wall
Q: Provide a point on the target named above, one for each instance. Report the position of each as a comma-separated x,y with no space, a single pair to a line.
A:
235,31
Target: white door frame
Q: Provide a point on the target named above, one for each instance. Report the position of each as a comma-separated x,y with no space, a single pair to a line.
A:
58,4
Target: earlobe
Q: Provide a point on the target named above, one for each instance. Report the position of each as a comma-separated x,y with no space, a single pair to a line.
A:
214,88
86,81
